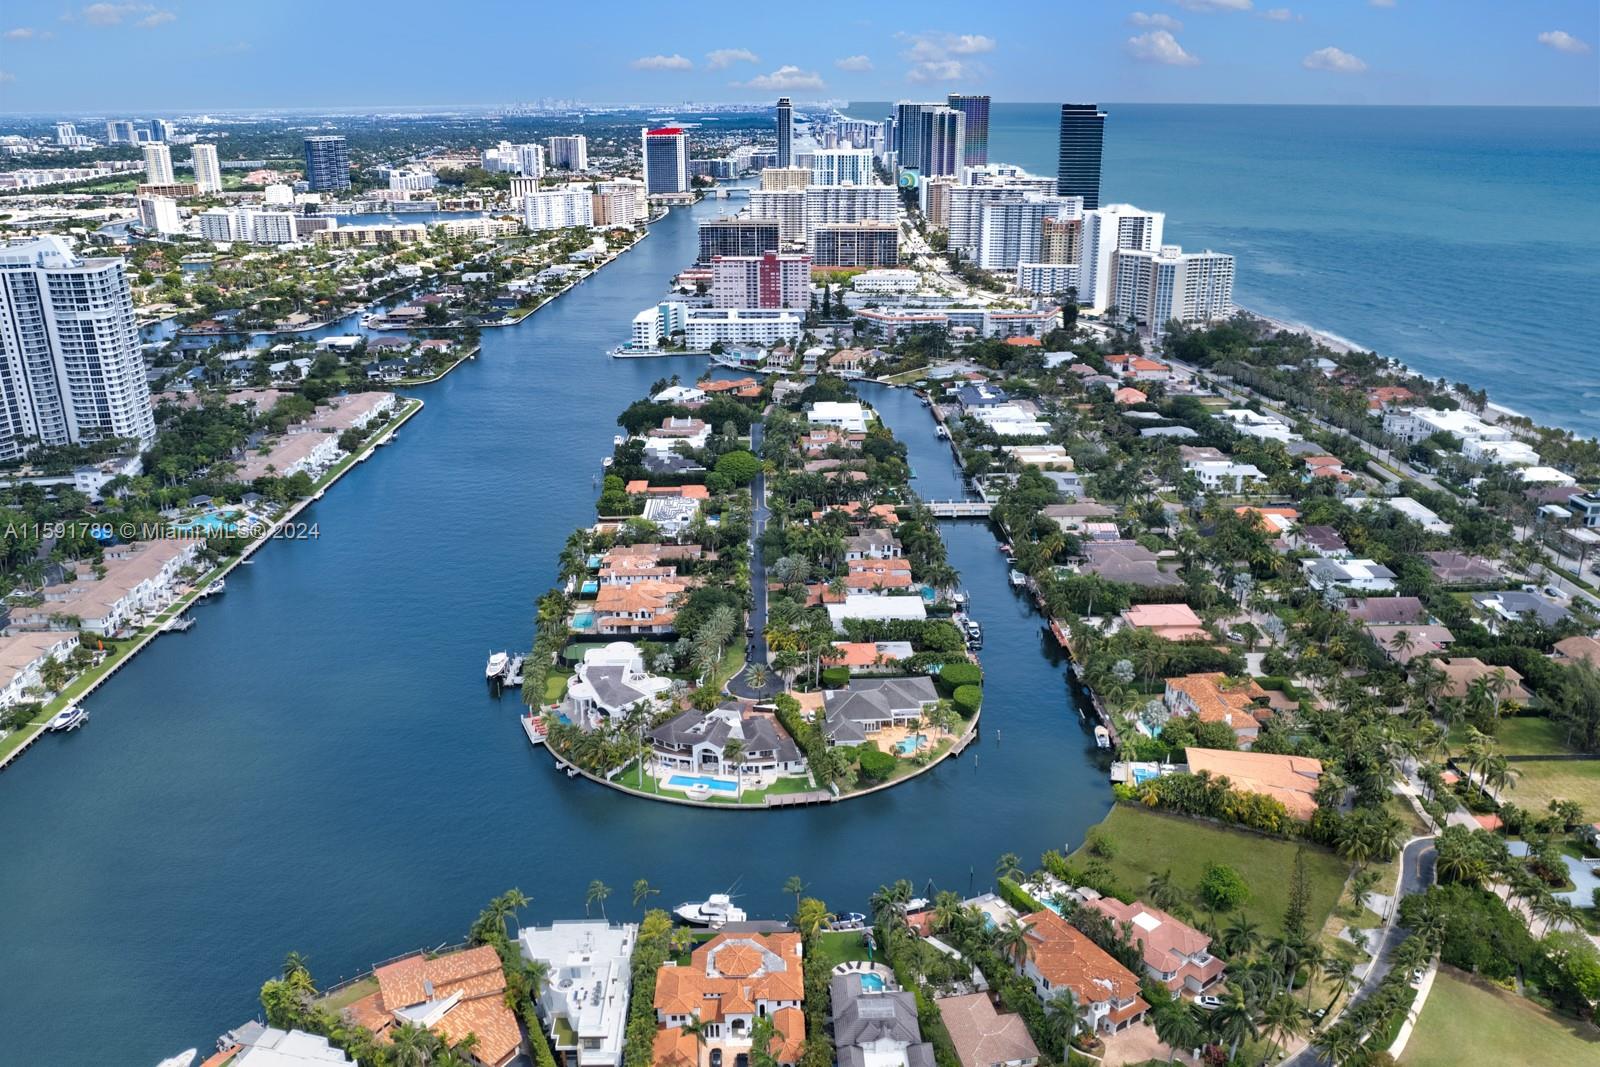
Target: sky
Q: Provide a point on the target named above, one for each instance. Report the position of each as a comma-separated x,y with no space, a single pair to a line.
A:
215,55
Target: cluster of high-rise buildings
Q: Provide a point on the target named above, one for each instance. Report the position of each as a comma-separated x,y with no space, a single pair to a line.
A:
119,131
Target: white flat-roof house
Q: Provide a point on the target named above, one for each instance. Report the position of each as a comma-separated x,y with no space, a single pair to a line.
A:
846,415
876,608
584,1000
1479,440
609,681
1255,424
1363,574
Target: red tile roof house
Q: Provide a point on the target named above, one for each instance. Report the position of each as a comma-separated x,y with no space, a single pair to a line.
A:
1060,956
1175,953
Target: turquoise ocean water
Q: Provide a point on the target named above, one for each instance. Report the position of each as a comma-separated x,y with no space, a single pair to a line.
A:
1464,242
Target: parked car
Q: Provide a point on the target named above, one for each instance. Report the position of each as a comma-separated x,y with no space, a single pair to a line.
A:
1209,1003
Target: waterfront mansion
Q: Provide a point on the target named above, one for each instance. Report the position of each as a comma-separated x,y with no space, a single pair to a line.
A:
730,982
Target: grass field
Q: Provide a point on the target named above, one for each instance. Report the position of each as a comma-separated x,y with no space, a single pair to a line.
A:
1148,842
841,946
1498,1027
1542,781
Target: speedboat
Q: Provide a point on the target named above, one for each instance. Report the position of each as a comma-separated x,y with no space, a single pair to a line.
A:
496,667
716,910
69,718
182,1059
1018,579
1102,737
850,920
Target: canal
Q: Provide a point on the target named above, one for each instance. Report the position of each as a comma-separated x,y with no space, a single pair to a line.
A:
316,765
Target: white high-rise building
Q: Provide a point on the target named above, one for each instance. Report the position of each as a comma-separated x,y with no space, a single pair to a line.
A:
66,133
570,153
851,203
69,350
207,172
158,165
159,214
1155,288
413,181
1107,230
842,166
1012,230
530,160
786,206
620,202
272,228
963,202
558,209
770,280
704,327
278,195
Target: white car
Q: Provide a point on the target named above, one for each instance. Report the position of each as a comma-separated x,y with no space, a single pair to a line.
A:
1209,1003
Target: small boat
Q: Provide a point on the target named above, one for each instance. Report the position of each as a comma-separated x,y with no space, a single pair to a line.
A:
716,910
218,586
607,462
572,772
247,562
495,669
1017,579
178,624
182,1059
941,433
1102,737
850,920
69,718
959,599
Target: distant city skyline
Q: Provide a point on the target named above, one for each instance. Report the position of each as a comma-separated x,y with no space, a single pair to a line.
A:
183,56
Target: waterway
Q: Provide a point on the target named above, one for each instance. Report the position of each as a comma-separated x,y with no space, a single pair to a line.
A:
316,767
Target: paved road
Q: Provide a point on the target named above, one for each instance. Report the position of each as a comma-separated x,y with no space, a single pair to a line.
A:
756,652
1416,874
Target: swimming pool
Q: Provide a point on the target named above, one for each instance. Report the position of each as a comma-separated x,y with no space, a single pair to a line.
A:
589,588
212,523
583,620
1141,775
873,983
910,744
686,781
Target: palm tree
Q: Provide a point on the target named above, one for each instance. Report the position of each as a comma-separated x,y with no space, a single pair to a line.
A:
810,916
1008,867
1178,1026
794,885
1064,1015
1282,1019
696,1027
1341,1044
1341,972
598,891
1011,941
1161,891
1233,1021
642,891
1241,936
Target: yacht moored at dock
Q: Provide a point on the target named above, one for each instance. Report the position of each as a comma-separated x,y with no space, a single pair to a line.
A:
495,671
69,718
715,911
178,624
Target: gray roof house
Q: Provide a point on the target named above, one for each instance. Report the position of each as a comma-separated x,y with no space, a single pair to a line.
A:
867,705
1510,604
875,1027
1128,562
872,544
698,741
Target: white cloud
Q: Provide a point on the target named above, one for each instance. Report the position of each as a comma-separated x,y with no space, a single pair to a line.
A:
785,77
937,70
149,18
21,33
1159,20
855,63
1207,7
1277,14
723,58
1336,60
672,62
1159,46
7,76
931,55
1562,41
159,18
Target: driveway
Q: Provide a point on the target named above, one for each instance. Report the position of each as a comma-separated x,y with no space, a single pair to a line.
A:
1417,861
739,685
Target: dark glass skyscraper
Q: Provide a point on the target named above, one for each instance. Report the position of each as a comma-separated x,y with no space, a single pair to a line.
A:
976,110
785,132
327,163
1083,128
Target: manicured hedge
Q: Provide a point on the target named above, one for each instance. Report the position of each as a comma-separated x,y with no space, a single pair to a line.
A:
835,677
967,700
955,675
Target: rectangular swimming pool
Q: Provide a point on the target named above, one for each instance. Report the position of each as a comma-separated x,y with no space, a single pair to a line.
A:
685,781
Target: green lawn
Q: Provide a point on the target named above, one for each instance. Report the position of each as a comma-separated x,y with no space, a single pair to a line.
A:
555,684
349,994
1499,1027
1149,842
1545,780
841,946
635,778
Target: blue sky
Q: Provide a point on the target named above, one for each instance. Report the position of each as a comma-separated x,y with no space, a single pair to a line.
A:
188,55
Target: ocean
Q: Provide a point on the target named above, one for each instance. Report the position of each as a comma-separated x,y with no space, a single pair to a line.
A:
1462,241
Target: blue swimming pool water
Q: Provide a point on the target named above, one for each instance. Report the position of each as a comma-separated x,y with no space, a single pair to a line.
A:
910,744
1141,775
590,588
582,620
209,523
684,781
872,983
929,594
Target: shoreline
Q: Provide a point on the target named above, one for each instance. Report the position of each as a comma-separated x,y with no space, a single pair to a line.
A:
1342,345
408,406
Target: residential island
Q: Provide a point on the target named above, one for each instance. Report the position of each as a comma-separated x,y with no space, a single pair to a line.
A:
1327,626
